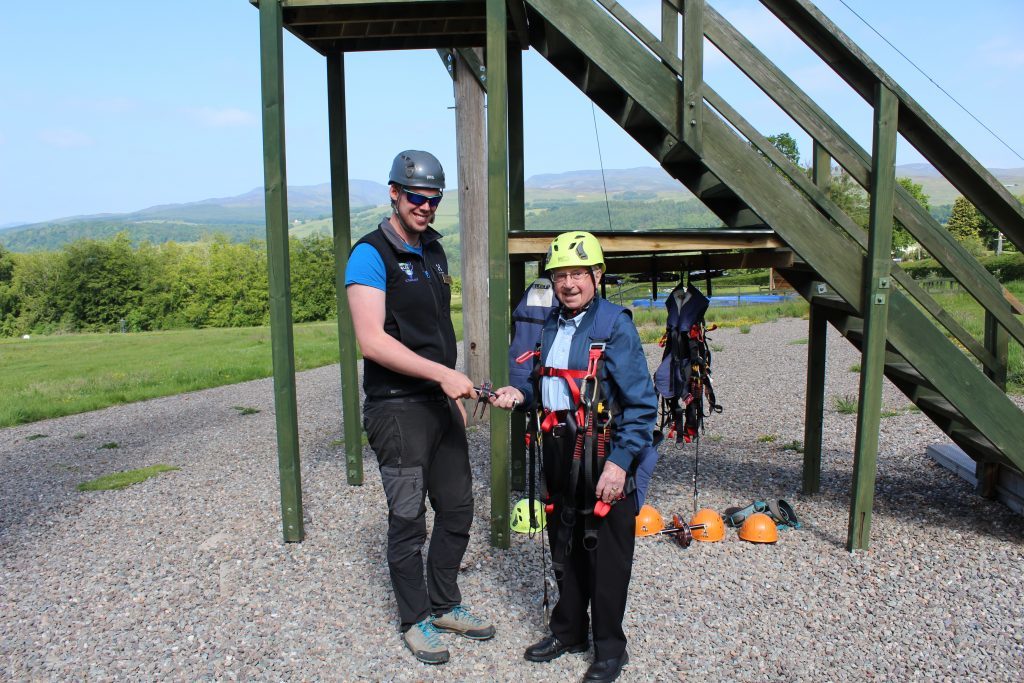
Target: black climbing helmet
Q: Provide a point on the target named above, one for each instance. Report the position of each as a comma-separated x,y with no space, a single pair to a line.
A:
415,168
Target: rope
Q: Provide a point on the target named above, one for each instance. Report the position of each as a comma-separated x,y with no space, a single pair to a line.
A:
600,159
944,91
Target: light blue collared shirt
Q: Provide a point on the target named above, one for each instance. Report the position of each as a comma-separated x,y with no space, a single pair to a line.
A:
554,392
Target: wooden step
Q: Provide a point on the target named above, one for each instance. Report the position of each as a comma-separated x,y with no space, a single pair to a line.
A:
835,302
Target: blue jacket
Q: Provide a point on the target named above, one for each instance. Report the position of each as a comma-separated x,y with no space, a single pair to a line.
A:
627,386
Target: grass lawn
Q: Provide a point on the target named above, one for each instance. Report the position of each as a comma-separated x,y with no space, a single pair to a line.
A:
51,376
47,377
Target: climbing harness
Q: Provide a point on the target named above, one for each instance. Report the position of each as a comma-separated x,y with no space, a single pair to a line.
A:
779,511
683,379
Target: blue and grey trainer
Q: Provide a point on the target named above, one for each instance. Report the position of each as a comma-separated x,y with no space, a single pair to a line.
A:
460,620
425,642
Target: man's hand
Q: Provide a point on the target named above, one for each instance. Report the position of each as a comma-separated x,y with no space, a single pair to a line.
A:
611,483
456,385
507,398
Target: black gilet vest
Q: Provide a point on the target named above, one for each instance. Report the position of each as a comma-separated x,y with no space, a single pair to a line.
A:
417,310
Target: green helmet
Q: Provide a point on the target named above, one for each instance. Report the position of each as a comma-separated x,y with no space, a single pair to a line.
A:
521,516
575,248
414,168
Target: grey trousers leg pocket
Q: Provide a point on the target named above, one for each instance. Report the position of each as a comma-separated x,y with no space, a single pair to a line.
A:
403,487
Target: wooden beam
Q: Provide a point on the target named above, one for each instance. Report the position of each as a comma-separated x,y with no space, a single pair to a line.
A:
536,242
918,127
877,291
814,405
821,175
497,234
821,167
769,258
845,150
341,223
693,76
276,198
471,140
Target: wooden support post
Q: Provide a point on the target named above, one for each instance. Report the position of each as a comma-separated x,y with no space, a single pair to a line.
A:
497,234
276,197
471,140
670,26
516,221
814,409
877,291
996,343
821,167
337,133
690,119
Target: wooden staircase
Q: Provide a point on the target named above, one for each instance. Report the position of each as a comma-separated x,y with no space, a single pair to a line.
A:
641,83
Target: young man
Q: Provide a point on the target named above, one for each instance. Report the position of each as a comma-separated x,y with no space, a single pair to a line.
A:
592,554
399,292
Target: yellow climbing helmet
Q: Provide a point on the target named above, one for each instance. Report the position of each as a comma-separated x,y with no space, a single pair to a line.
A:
713,526
521,516
759,528
575,248
648,521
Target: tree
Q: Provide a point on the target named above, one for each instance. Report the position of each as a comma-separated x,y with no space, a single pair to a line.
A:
785,143
9,304
964,221
901,238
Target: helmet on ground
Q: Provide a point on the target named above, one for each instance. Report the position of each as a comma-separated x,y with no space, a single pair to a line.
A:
714,527
574,248
759,528
648,521
414,168
521,516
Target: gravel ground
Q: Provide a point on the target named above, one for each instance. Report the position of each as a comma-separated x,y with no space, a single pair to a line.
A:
186,577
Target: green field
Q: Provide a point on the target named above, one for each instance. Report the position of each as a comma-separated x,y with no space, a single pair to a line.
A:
52,376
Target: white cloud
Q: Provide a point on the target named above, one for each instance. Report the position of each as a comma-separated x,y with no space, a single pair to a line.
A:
220,118
104,105
1001,51
65,138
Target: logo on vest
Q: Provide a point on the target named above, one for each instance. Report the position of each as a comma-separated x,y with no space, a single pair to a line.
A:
409,270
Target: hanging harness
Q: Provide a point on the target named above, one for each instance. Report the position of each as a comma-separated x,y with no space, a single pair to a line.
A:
683,380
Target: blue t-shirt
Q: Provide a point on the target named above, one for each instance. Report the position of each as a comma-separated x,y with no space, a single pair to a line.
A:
365,267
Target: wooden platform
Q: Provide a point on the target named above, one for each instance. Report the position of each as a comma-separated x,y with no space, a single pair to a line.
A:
362,25
641,252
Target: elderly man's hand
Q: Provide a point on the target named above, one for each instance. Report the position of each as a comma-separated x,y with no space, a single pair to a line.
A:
612,482
506,397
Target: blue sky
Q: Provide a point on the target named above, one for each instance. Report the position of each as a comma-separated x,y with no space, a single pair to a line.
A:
130,104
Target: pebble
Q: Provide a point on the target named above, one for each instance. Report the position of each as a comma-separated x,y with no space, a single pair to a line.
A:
186,576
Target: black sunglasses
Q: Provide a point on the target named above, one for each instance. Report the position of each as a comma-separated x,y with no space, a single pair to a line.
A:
417,199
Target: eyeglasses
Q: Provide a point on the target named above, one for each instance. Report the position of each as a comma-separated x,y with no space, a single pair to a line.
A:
575,276
417,199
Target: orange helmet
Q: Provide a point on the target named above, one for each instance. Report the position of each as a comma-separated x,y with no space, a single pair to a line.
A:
648,521
759,528
714,527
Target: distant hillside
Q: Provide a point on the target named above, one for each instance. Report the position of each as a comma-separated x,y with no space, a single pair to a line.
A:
640,198
240,218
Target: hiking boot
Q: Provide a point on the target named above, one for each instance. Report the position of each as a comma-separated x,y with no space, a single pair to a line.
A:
460,620
425,643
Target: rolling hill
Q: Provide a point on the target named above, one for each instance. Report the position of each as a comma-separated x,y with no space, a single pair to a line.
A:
644,197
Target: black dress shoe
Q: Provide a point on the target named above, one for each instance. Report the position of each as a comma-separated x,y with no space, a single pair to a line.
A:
550,648
606,670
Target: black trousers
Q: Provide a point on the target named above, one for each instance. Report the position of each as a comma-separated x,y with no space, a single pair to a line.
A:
597,579
422,451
